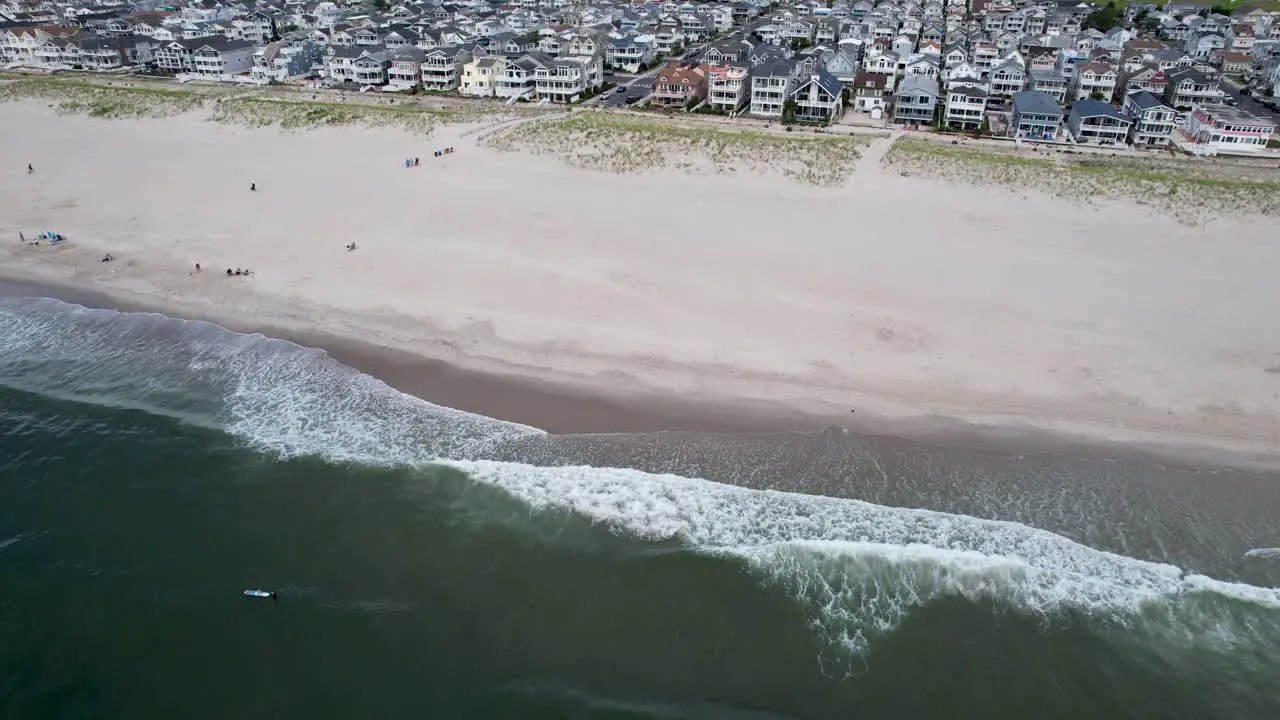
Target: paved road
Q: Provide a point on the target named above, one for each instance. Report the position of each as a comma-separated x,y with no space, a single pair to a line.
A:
641,86
1249,104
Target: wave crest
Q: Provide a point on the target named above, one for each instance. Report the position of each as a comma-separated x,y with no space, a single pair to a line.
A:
279,396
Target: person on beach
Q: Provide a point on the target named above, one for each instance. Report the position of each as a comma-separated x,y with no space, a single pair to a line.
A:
197,267
21,237
30,169
416,161
228,272
253,187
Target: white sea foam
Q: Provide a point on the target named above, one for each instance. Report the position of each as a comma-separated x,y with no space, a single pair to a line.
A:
280,396
1264,553
862,568
858,568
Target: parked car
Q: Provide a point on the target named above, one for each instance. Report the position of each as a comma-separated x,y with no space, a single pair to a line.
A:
1246,92
621,89
632,100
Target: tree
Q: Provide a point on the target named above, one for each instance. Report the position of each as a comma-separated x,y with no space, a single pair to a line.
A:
984,128
789,112
844,97
1105,19
798,44
1097,96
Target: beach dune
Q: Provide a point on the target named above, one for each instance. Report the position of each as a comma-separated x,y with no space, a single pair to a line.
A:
898,297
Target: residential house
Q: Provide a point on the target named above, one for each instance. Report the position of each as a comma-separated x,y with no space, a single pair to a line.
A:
1091,78
819,97
630,53
1036,115
679,84
869,91
953,55
727,88
1050,82
516,79
441,68
1153,121
357,65
287,59
1096,122
404,68
922,65
771,85
843,66
966,107
1189,87
915,100
985,55
565,79
1202,45
1234,63
480,76
211,56
1228,129
884,62
1148,78
1007,78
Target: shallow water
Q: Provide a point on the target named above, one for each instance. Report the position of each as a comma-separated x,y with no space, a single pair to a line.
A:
428,560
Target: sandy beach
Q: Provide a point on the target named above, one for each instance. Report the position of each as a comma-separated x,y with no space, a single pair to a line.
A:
898,297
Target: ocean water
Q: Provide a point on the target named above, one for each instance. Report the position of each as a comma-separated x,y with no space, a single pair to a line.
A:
434,563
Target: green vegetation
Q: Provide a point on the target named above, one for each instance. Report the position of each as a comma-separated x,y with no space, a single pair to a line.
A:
1104,19
105,101
301,115
620,143
254,108
1191,190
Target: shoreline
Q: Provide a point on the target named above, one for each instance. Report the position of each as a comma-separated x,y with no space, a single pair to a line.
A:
563,409
487,265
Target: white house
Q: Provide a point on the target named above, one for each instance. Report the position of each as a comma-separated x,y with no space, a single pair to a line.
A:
1228,129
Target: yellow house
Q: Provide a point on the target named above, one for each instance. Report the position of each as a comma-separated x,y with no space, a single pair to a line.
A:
480,75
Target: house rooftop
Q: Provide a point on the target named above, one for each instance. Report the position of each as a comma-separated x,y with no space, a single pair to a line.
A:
1225,115
919,83
1095,108
1035,102
1145,100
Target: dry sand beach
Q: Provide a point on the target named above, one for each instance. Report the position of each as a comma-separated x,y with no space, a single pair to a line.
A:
708,281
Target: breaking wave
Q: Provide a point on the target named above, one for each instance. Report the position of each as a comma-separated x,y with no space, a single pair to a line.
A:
857,568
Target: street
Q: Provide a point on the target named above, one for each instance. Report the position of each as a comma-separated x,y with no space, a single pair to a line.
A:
640,86
1249,104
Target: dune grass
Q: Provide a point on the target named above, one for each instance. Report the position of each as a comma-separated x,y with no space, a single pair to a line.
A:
304,114
100,100
620,143
253,106
1193,191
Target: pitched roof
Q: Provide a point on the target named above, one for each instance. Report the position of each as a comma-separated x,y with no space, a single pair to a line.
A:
917,84
1145,100
1035,102
1095,108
